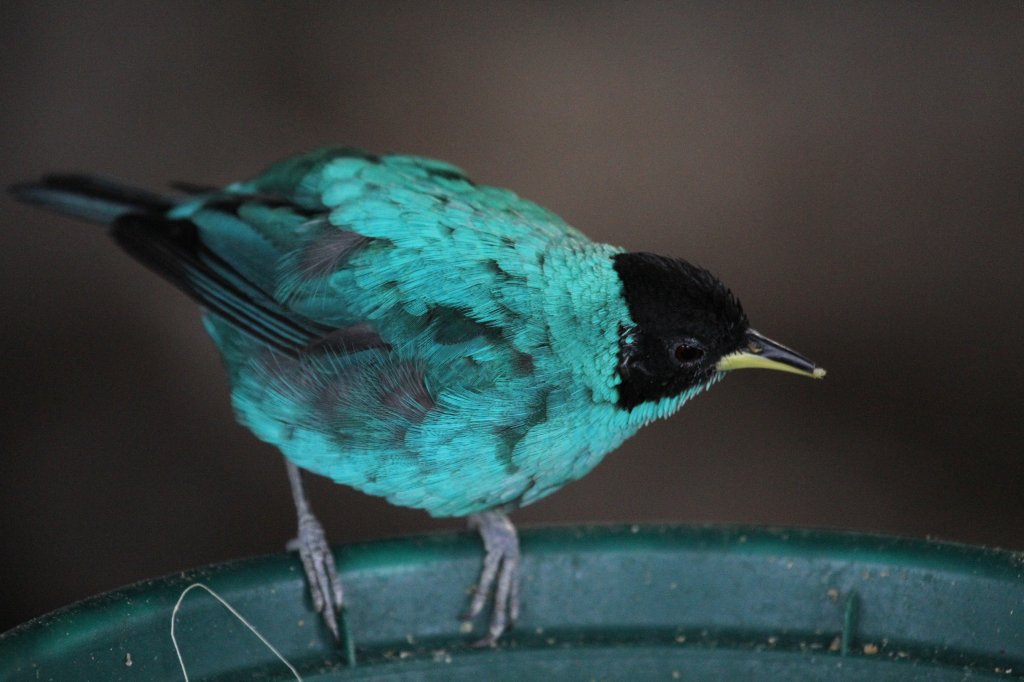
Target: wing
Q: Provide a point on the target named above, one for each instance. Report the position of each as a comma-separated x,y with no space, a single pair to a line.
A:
343,237
412,236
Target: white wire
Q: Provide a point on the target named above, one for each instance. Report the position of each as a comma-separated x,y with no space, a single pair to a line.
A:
236,614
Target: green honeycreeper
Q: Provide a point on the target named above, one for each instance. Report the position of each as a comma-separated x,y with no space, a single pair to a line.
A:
390,324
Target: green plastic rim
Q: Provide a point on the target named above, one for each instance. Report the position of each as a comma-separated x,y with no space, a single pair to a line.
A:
605,602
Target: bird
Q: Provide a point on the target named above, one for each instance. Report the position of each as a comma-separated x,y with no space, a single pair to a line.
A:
388,323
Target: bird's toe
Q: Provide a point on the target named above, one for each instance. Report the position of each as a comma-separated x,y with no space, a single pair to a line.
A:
325,588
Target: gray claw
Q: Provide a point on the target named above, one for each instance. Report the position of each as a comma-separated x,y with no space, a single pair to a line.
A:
317,558
321,574
500,572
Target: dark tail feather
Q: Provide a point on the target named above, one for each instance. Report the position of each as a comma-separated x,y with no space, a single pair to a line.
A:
97,200
193,188
174,249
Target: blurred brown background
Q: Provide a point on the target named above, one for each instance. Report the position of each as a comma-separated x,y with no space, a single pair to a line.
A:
853,172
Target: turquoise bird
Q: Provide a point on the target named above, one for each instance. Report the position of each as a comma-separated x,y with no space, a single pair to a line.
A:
390,324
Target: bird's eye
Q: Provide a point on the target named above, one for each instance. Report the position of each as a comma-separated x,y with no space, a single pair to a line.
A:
685,353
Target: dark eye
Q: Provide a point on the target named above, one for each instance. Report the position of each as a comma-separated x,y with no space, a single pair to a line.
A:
685,353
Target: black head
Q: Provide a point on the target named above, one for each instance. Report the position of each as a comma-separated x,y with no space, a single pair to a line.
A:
686,321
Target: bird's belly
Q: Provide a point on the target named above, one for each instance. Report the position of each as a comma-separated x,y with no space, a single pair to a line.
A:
454,463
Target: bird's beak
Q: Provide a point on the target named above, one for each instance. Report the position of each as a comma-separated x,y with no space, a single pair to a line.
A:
760,351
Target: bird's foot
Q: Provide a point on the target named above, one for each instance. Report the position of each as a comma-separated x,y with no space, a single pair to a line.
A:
500,573
321,575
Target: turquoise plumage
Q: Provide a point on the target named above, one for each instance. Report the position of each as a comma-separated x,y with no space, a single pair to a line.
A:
484,300
393,326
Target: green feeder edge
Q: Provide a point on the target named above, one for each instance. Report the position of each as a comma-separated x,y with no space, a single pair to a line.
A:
692,603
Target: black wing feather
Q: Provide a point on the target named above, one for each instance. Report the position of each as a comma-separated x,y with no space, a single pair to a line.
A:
172,248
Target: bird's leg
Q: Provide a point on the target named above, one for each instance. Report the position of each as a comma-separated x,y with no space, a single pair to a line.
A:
317,559
500,572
